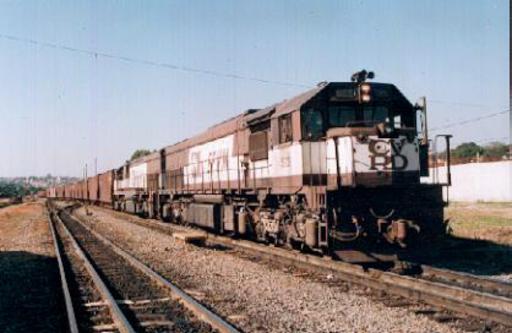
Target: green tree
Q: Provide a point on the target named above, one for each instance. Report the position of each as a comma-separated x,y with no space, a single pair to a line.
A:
12,190
139,153
495,149
467,150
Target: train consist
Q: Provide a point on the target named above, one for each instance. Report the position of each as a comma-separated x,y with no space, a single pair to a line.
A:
335,168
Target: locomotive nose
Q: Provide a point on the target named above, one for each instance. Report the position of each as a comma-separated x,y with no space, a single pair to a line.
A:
364,158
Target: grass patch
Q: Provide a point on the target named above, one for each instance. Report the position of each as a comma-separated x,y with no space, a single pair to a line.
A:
492,221
477,222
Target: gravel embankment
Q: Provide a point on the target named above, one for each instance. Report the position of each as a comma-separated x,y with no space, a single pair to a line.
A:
255,297
30,291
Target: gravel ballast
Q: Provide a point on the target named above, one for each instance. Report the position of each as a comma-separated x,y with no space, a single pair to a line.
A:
125,282
254,296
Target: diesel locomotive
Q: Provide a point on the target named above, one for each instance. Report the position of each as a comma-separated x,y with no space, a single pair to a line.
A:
336,168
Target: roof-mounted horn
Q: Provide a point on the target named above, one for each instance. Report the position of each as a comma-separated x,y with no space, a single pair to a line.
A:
362,76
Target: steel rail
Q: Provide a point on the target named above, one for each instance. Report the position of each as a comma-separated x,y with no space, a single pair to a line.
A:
73,326
119,318
190,303
476,303
462,300
489,285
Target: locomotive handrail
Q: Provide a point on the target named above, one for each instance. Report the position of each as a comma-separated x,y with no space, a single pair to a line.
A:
207,178
436,179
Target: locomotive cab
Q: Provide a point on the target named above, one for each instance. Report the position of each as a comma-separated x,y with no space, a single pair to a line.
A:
371,139
373,167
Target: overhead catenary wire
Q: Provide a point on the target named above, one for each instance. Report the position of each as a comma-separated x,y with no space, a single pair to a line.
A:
470,120
170,66
153,63
210,72
474,105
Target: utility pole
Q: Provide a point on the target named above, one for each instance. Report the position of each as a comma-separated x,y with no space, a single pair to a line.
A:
86,185
86,196
97,178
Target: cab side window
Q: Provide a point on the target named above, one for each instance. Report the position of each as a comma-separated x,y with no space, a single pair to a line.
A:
312,124
285,128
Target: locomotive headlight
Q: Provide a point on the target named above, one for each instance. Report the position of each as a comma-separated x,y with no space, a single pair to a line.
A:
365,98
364,93
365,88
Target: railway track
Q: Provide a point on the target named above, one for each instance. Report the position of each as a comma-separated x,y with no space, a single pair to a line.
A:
486,299
89,303
106,289
464,280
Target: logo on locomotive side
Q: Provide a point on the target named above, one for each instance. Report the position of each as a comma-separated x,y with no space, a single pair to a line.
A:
387,155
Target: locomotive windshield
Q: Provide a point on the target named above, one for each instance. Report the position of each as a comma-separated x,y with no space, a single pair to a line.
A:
333,109
366,116
346,116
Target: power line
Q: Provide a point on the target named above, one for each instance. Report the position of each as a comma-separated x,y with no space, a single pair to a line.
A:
438,101
196,70
146,62
471,120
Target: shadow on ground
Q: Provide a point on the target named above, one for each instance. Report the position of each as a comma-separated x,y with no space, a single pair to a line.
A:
480,257
30,294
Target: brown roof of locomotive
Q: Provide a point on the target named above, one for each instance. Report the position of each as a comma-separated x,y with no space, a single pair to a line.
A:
259,115
239,122
296,102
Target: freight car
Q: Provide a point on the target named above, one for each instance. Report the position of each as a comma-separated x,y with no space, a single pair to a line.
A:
106,188
59,192
93,189
335,168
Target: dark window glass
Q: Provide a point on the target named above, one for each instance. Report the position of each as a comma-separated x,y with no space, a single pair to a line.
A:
368,116
408,119
285,128
312,124
375,114
340,116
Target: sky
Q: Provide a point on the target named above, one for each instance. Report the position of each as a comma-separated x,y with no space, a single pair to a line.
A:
86,80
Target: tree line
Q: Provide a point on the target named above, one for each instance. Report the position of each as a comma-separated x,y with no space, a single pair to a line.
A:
472,152
16,190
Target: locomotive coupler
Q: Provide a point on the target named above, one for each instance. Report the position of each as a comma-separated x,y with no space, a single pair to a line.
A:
397,231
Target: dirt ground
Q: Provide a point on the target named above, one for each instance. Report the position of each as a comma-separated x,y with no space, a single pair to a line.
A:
4,202
30,291
486,221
